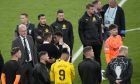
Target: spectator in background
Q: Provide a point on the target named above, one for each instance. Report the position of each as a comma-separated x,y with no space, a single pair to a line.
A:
41,29
113,14
53,51
24,19
90,31
120,69
65,27
89,69
28,50
112,44
11,72
1,62
40,71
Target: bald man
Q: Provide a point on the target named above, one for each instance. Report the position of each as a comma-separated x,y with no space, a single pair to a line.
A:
120,69
28,50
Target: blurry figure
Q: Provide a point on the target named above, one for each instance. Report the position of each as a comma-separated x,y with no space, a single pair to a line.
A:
65,27
112,44
24,19
11,72
120,69
40,71
62,71
89,69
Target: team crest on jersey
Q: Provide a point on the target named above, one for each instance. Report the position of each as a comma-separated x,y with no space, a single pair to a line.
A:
93,19
46,30
64,26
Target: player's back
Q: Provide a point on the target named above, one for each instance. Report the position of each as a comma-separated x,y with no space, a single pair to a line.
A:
63,72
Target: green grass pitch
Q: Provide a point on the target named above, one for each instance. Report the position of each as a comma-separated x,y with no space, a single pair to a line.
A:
74,9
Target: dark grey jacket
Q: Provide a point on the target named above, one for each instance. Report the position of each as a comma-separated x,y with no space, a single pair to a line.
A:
18,43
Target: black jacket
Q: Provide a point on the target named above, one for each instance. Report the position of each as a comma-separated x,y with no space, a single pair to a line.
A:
1,62
126,70
39,31
30,30
67,30
90,71
90,30
41,74
52,50
119,19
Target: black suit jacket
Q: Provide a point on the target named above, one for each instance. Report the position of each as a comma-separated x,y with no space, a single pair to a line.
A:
18,43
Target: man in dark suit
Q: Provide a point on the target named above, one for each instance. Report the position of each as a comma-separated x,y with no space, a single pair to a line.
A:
30,27
28,50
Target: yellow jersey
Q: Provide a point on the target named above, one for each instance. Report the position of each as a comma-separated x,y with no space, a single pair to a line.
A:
62,72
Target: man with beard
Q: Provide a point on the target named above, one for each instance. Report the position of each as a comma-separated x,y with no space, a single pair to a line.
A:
41,29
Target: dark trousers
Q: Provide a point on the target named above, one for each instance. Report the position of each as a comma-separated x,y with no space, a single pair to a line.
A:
26,77
97,52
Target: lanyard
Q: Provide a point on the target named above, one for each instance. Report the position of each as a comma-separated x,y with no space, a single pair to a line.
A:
109,11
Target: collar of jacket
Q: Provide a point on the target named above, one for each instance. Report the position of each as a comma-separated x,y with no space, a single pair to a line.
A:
88,15
121,56
86,59
42,25
60,21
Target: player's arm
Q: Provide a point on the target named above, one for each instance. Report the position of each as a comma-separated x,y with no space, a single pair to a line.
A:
18,75
52,74
107,50
72,72
17,79
3,78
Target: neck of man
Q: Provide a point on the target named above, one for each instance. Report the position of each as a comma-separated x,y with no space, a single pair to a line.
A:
113,6
14,58
89,57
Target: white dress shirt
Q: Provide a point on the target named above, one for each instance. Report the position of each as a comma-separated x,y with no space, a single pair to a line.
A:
28,47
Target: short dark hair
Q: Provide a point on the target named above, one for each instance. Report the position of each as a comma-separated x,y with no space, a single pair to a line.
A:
14,50
95,2
59,34
46,35
89,5
25,14
40,15
86,49
42,53
60,11
65,50
113,26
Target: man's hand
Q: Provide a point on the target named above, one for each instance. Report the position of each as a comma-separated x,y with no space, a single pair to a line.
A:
118,81
39,37
61,41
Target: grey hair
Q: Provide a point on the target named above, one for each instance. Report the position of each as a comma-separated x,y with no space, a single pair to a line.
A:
123,49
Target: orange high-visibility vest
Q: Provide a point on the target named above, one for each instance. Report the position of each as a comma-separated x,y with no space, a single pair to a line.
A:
111,47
